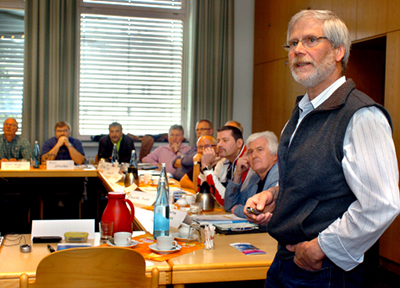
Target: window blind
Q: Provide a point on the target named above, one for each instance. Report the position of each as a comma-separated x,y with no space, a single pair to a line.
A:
130,72
164,4
11,65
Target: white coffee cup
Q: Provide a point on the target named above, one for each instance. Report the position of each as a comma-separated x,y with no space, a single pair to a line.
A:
184,230
122,238
189,199
165,243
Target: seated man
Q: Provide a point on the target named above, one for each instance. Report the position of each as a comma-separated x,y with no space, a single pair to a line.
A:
219,172
184,163
167,153
262,158
125,144
62,146
234,124
63,202
203,142
16,196
12,146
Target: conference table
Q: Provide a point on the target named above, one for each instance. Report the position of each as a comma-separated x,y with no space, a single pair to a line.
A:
224,263
13,263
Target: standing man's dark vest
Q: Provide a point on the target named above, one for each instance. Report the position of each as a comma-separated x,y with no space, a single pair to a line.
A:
313,190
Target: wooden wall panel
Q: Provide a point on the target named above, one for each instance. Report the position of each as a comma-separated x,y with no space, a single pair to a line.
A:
347,10
269,97
371,18
393,19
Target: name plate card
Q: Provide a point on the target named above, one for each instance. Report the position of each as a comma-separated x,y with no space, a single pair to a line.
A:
108,169
176,217
60,165
18,165
142,198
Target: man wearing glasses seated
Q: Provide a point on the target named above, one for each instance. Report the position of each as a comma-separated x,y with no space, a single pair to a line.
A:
12,146
62,146
262,157
63,202
184,162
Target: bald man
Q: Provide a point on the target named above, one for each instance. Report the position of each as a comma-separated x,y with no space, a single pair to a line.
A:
12,146
203,143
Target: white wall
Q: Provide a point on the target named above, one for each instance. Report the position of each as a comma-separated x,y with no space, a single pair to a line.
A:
243,67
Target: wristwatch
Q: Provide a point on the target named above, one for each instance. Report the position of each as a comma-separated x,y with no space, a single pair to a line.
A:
208,167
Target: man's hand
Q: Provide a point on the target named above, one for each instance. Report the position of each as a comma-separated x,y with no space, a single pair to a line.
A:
263,201
308,254
197,157
209,157
63,141
242,166
175,146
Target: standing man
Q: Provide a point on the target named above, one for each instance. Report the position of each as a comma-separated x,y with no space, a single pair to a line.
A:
184,163
12,146
338,186
261,156
216,171
167,153
62,146
125,144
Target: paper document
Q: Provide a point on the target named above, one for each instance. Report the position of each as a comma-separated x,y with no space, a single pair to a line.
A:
217,219
247,249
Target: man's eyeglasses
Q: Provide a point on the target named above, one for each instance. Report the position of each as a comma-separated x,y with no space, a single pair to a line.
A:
202,129
62,131
8,124
205,146
308,42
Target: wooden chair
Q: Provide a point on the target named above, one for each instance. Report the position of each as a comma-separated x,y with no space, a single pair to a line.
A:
92,267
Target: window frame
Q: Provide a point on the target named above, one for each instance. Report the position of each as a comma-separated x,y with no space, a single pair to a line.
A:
127,11
15,5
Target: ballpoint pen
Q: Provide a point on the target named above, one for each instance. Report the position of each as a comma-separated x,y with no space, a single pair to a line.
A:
51,249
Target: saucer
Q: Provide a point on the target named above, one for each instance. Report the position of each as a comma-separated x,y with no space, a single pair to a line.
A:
132,244
178,237
155,249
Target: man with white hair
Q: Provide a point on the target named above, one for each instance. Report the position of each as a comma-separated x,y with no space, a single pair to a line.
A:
262,157
13,147
338,176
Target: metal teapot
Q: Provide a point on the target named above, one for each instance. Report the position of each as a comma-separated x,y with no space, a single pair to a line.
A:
205,197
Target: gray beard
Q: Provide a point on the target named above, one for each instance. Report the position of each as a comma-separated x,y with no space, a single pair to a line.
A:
326,68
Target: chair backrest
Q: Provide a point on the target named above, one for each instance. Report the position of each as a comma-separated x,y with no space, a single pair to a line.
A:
93,267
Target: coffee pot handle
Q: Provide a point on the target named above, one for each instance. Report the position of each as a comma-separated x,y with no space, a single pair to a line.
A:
132,211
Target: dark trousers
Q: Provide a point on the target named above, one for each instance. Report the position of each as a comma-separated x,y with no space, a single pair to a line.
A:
286,274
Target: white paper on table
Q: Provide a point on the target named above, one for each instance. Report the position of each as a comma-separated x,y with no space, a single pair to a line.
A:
176,217
115,177
17,165
146,199
60,165
130,188
145,217
108,169
59,227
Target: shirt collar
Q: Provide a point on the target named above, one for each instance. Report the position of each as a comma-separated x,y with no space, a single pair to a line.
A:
321,98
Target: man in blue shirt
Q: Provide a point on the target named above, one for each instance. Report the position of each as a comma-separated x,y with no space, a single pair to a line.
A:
62,146
12,146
